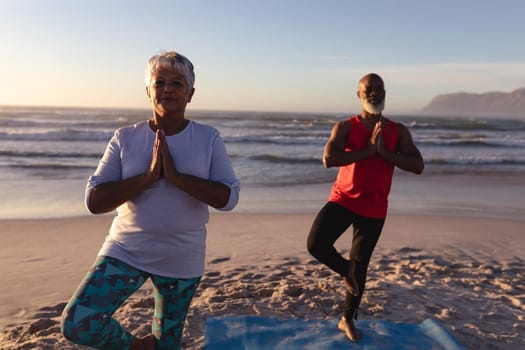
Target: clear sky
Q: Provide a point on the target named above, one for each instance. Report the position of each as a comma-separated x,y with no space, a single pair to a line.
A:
274,55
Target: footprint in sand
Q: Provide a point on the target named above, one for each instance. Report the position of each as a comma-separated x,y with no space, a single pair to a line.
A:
219,260
40,325
50,311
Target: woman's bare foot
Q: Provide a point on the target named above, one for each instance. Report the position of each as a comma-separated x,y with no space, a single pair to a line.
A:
349,328
350,281
144,343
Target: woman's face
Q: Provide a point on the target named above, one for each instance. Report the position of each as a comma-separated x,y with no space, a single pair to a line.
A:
169,92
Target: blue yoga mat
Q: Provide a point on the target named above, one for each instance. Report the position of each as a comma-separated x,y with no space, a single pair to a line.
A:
256,333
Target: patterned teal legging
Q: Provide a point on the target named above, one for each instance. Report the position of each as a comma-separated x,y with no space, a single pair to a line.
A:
87,318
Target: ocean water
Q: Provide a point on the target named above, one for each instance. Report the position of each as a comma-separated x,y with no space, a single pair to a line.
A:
46,154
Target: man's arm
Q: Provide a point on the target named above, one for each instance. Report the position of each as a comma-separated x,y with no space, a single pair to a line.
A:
407,157
334,151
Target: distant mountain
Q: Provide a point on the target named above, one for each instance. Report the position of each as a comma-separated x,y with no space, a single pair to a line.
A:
490,104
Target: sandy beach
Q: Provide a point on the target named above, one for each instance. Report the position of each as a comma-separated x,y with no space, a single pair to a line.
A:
468,273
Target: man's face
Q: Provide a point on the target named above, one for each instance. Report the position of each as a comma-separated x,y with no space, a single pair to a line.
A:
372,95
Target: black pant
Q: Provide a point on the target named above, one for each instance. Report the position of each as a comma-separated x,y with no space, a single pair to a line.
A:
327,227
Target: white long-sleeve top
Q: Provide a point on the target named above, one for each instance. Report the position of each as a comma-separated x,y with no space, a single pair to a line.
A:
163,229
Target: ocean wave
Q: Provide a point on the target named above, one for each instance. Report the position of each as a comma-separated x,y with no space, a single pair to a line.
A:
52,166
428,123
49,154
56,135
28,123
272,158
266,118
275,139
470,143
267,148
475,161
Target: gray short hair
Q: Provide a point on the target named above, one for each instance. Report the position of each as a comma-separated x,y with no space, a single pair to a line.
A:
170,60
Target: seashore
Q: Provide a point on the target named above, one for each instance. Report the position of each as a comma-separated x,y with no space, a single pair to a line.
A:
467,272
452,249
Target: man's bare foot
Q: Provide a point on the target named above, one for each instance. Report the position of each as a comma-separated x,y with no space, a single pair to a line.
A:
349,328
350,281
144,343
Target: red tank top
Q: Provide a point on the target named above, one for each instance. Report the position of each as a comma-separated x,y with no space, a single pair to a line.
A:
363,187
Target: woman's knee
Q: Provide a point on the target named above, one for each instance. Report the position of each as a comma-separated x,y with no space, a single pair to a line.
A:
77,325
68,327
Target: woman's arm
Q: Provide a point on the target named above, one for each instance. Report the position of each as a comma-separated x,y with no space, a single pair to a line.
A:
214,193
107,196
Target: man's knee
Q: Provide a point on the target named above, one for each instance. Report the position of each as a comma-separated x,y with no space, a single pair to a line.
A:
314,247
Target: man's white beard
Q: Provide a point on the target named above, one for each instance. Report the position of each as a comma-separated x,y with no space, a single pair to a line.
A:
373,109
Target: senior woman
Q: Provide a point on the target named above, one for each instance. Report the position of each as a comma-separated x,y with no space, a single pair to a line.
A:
160,175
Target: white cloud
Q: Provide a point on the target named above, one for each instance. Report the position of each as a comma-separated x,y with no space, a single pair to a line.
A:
472,77
413,86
